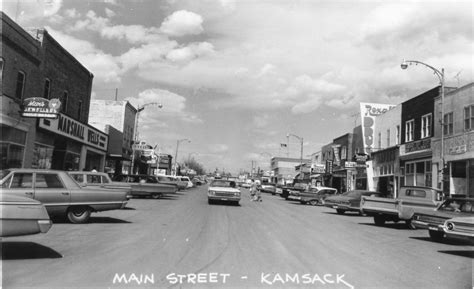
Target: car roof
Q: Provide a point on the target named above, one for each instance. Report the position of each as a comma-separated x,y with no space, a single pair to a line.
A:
29,170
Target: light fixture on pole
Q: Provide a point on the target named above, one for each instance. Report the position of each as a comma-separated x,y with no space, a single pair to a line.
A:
135,130
440,75
301,155
176,155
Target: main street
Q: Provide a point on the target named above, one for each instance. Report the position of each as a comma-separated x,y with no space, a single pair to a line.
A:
182,241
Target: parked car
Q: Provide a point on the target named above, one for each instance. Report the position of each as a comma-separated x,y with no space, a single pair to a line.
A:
437,221
410,199
197,181
171,180
268,188
187,180
147,186
459,227
316,195
22,216
60,194
295,185
247,184
98,179
349,201
223,190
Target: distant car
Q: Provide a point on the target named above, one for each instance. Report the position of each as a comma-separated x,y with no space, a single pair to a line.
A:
197,181
60,194
246,184
349,201
223,190
22,216
171,180
268,188
147,186
187,180
437,222
316,195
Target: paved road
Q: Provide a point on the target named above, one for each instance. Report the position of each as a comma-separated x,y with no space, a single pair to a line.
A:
182,242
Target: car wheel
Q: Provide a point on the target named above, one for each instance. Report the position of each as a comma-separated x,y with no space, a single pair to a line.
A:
379,220
78,215
340,211
436,236
410,224
156,196
314,202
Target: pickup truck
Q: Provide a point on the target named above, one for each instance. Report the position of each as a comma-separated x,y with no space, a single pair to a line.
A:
411,199
296,185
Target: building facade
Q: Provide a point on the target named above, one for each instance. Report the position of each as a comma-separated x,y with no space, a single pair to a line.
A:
285,168
33,64
456,130
107,116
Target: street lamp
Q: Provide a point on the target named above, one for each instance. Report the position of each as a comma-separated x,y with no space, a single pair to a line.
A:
440,75
135,130
176,155
301,156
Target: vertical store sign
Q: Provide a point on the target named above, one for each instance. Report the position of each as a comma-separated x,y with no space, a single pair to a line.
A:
368,112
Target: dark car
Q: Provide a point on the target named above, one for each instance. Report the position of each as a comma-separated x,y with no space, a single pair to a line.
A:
316,195
349,201
451,208
146,186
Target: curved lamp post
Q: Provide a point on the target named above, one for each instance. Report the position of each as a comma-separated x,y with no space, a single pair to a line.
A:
301,156
440,75
176,155
135,130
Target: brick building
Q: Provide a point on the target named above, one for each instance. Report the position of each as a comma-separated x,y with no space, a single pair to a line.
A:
33,64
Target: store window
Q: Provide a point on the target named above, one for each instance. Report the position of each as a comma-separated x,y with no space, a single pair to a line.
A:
409,129
397,140
469,117
448,123
426,125
42,156
418,174
12,144
20,84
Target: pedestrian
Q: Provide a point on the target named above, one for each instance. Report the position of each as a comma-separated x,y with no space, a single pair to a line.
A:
258,196
94,170
252,190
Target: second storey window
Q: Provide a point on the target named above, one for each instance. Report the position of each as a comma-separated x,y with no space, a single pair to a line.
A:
397,136
64,101
47,88
388,137
409,130
426,125
448,123
469,117
79,110
20,84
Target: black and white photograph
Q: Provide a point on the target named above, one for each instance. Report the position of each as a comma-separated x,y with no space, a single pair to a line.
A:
267,144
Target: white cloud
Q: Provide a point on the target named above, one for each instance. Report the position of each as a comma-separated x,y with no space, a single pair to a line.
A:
109,12
182,23
218,148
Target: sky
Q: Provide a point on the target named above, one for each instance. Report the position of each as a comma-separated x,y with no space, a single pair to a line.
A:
235,77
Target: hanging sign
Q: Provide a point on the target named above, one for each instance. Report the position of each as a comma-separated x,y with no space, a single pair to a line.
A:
368,112
40,107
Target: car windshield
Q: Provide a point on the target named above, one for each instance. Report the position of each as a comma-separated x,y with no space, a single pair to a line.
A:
3,173
224,184
457,205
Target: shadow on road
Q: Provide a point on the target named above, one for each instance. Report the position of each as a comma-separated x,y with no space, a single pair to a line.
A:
27,250
93,220
462,253
349,214
398,226
454,242
129,209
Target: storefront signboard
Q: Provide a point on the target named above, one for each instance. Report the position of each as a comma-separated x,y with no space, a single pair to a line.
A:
368,112
318,169
424,144
39,107
76,130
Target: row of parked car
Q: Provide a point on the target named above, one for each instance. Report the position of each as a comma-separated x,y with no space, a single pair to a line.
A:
30,197
419,207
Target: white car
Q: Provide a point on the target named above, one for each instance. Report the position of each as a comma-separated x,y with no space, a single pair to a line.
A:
186,179
223,190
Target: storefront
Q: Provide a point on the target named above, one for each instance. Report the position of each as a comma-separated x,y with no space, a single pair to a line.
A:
67,144
386,171
416,163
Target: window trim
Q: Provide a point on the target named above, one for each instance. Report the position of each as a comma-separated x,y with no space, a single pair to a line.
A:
448,127
22,93
411,132
426,127
469,118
